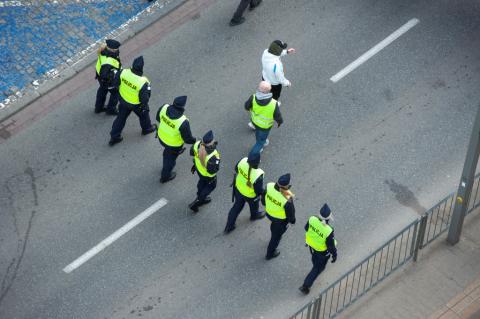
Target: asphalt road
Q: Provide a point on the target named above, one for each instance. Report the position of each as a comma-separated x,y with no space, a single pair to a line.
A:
380,146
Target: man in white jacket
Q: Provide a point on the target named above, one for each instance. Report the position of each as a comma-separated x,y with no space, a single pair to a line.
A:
272,66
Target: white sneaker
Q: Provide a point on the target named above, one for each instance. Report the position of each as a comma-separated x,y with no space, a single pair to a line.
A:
251,126
266,142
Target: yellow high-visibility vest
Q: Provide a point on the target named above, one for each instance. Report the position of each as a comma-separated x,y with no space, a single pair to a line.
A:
169,129
202,170
242,178
275,202
130,86
262,116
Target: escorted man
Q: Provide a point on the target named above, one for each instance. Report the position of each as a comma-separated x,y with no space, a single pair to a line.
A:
263,111
242,6
272,66
173,132
321,242
108,64
206,162
278,202
247,187
134,89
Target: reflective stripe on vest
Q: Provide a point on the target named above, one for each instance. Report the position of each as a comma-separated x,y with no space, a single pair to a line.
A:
202,170
242,177
130,86
262,116
102,60
317,233
275,202
169,129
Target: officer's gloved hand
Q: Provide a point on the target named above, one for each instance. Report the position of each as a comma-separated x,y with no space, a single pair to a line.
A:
193,169
293,221
334,259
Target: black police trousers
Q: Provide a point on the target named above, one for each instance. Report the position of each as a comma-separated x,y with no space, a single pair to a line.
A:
123,113
170,155
319,261
205,186
102,96
239,203
277,229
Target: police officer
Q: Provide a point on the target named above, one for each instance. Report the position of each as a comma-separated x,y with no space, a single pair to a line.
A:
108,64
247,187
321,242
264,110
134,89
173,132
206,162
278,202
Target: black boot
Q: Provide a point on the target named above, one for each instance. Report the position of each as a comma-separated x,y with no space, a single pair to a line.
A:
114,141
194,205
172,176
205,201
275,254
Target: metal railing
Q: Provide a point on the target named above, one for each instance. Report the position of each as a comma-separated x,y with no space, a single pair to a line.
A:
392,255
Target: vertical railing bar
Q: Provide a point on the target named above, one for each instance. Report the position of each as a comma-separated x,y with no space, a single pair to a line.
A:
345,292
373,269
317,313
443,217
331,302
429,223
452,200
359,279
380,263
353,284
366,275
323,308
414,237
436,220
394,249
338,296
386,259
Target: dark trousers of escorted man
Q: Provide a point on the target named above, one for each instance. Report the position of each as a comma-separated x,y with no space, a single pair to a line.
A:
102,97
123,113
319,260
242,6
170,155
277,228
238,205
205,186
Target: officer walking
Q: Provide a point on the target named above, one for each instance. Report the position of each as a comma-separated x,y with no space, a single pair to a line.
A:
321,242
278,202
206,162
247,187
108,64
173,132
134,89
264,110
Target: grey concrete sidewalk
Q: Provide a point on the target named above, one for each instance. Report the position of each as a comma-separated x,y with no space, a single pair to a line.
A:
443,283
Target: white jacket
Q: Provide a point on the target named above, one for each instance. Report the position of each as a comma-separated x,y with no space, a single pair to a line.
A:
273,68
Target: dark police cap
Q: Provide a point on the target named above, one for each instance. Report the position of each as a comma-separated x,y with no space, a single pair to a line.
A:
112,44
325,212
208,137
180,101
138,63
253,158
284,180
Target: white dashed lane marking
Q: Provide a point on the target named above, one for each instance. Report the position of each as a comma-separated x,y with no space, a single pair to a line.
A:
370,53
116,235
